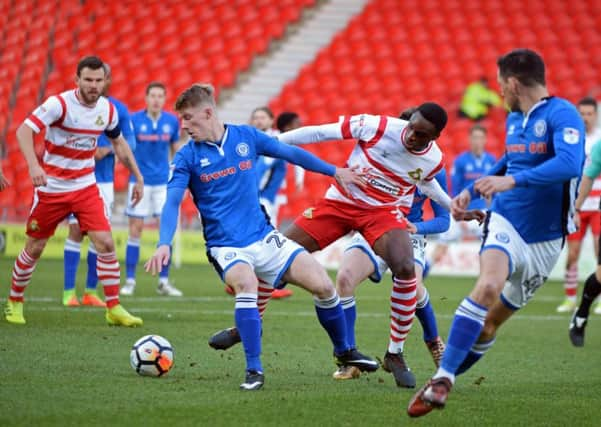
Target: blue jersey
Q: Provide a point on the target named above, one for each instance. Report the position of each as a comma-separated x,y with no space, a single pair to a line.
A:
222,179
440,222
544,152
467,168
153,142
105,167
271,173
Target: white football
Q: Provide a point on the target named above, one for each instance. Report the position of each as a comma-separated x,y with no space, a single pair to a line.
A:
152,356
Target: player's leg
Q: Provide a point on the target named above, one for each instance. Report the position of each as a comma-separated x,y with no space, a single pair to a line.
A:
592,290
71,257
158,195
306,272
136,215
46,213
570,284
395,247
248,321
90,296
93,220
596,229
357,265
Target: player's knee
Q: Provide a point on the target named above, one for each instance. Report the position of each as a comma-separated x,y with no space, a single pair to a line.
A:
487,291
403,268
345,282
75,233
35,247
104,244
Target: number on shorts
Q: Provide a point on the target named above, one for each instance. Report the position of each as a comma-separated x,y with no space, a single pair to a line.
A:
275,237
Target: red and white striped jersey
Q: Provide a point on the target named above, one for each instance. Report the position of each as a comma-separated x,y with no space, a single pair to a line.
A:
392,169
72,130
591,203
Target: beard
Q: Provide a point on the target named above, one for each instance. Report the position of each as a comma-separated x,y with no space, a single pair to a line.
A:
89,98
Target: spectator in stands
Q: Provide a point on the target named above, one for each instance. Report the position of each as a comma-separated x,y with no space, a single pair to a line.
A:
467,168
590,216
477,100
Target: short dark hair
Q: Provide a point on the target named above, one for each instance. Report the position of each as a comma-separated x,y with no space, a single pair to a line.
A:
478,127
407,112
588,100
284,120
91,62
435,114
525,65
152,85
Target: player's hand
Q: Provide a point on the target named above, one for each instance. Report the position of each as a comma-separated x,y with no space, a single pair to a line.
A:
137,193
576,219
38,176
160,258
459,204
490,185
3,182
411,228
474,214
348,176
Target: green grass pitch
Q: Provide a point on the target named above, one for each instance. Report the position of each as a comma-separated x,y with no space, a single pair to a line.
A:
67,367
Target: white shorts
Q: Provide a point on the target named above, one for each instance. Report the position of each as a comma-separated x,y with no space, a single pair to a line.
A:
269,257
107,192
419,254
151,204
529,264
459,230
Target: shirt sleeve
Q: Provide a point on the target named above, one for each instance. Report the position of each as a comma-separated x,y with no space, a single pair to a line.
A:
568,144
175,133
441,221
498,169
271,147
457,183
51,111
127,128
594,168
113,130
179,178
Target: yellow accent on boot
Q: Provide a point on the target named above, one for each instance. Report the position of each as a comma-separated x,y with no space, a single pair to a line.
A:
118,316
346,373
13,312
597,309
567,306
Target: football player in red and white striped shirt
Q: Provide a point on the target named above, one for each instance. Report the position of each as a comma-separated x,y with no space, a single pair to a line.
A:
65,183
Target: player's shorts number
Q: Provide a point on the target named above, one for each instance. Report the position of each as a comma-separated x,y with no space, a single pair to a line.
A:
276,238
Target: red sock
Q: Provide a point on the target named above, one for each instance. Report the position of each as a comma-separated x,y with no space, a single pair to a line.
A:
571,284
263,297
109,275
22,271
402,312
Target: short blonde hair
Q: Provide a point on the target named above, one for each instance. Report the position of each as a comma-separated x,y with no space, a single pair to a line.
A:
195,95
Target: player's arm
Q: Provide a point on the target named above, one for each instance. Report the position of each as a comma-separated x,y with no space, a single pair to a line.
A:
278,174
179,179
440,222
591,172
359,127
568,140
3,181
51,111
271,147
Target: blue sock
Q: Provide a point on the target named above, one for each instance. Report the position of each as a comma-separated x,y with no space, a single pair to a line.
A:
350,314
332,318
92,278
164,274
132,256
248,323
425,315
475,354
465,330
71,262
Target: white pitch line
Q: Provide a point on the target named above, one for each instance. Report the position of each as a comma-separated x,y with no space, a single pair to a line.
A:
167,311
